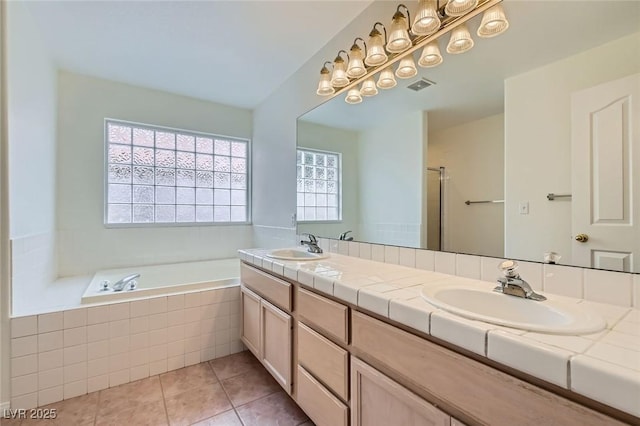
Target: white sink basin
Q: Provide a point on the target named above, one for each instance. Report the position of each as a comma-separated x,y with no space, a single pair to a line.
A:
298,255
483,304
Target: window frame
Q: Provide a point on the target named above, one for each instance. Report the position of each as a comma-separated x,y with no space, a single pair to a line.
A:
340,215
105,177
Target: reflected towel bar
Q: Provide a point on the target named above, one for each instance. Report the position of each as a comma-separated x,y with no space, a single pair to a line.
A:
483,202
551,196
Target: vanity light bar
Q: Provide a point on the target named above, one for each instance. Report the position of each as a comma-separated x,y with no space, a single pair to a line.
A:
448,23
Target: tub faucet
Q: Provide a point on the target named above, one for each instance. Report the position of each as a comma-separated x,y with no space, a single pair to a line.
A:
312,243
344,237
129,281
513,285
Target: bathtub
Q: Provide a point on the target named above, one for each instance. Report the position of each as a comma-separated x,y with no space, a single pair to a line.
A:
165,279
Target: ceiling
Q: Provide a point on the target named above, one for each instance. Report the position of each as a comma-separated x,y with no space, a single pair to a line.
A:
470,86
231,52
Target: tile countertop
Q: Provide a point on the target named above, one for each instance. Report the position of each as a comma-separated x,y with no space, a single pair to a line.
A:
604,366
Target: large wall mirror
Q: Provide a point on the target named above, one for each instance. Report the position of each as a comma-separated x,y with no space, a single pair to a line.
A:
468,163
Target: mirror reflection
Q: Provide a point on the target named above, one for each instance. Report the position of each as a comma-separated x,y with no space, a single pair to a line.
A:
519,147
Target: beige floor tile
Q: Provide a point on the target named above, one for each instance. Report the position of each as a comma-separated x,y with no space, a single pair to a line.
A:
234,365
79,411
274,410
196,405
129,396
250,386
150,414
228,418
184,379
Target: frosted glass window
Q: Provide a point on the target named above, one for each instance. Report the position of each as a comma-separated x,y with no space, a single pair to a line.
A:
159,175
318,185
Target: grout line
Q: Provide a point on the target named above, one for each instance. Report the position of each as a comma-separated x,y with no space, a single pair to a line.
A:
225,392
164,401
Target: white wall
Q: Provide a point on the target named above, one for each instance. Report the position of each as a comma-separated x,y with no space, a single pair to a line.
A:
538,144
31,130
391,180
274,132
85,245
473,155
316,136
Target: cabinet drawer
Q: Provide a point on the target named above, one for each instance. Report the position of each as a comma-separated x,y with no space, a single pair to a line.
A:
274,290
324,313
319,404
325,360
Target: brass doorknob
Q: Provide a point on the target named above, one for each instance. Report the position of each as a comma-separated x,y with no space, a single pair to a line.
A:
582,238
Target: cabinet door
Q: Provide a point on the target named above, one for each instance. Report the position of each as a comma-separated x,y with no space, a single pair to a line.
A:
276,343
250,308
378,400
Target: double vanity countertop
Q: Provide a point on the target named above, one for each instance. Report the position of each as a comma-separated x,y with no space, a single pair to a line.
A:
603,366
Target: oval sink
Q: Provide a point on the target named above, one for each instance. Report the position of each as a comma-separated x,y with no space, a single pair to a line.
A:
298,255
483,304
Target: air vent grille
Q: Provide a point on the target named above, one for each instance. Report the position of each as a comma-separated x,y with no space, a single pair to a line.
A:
423,83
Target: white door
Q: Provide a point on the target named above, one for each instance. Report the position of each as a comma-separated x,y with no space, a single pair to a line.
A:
605,133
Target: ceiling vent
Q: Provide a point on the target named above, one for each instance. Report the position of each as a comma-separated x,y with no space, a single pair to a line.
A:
423,83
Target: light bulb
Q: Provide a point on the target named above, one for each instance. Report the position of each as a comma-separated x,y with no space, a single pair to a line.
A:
376,55
353,96
356,66
399,40
386,80
459,7
427,20
430,56
407,68
494,22
369,87
460,40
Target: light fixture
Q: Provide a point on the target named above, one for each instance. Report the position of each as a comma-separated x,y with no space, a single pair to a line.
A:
426,21
324,85
353,96
339,77
369,66
460,40
369,87
356,66
459,7
431,55
494,22
407,67
386,79
399,39
376,55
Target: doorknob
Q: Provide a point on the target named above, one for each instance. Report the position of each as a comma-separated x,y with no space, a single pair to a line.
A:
582,238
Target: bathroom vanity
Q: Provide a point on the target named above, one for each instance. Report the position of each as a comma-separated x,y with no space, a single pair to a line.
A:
344,364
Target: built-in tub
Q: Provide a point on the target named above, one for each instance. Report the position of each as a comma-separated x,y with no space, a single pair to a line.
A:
164,279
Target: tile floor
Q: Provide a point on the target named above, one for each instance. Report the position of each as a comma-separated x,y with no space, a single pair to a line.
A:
230,391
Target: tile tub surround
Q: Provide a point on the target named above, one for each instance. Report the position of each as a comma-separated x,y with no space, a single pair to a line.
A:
202,394
604,366
65,354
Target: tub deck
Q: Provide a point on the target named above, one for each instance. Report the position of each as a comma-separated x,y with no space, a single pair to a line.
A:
157,280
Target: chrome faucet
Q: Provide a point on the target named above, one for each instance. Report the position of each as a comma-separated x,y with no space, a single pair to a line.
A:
312,243
128,281
513,285
343,236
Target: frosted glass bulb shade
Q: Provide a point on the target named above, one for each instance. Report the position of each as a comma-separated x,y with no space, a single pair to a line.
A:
430,56
399,39
376,55
460,40
427,20
387,80
353,96
339,77
494,22
407,68
459,7
356,66
324,86
369,87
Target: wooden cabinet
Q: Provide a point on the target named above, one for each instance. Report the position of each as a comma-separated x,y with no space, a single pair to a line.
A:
276,343
251,328
331,317
319,404
378,400
267,332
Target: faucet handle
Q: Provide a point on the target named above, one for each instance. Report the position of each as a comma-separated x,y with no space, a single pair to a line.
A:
508,268
312,238
343,236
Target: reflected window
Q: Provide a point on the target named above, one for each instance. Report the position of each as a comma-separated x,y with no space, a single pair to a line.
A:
157,175
318,185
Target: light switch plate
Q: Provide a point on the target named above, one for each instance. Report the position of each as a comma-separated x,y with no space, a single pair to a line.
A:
524,207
